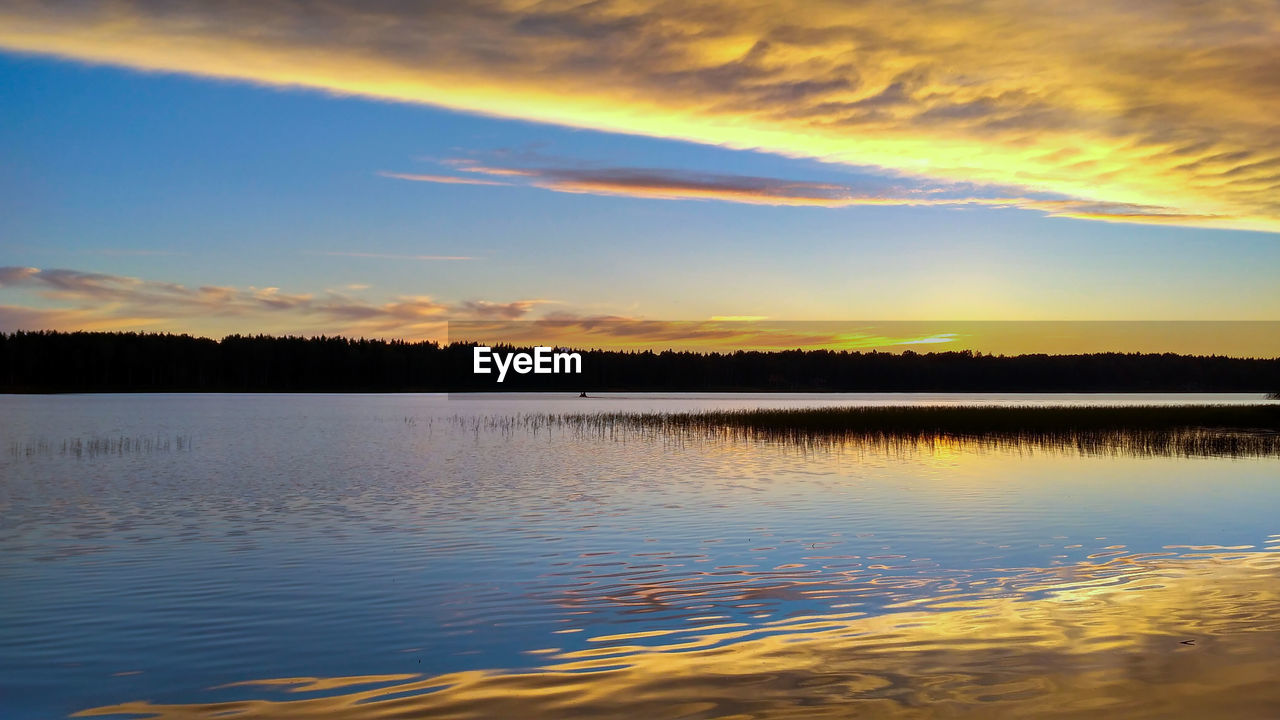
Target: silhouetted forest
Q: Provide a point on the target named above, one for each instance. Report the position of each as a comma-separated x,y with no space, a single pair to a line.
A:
145,362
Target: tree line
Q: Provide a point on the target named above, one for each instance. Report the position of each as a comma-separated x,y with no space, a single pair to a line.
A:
47,361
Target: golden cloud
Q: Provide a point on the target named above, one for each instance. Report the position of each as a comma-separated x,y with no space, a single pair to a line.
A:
1143,104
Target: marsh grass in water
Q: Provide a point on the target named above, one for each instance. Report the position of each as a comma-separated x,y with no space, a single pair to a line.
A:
99,446
1167,430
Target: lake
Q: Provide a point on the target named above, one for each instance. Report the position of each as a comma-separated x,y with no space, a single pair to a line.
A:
374,556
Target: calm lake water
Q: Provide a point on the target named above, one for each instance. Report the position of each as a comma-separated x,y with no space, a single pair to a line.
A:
374,556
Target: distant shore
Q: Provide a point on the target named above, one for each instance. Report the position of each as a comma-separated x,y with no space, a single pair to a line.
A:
101,362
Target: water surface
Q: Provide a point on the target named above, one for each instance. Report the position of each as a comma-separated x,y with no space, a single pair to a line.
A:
360,556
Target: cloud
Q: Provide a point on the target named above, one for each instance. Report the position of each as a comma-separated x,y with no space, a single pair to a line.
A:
10,276
666,184
1148,104
62,299
440,179
567,329
73,299
671,184
17,317
730,333
77,300
502,311
1115,212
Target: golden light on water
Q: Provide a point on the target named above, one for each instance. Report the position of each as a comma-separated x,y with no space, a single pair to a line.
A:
1130,636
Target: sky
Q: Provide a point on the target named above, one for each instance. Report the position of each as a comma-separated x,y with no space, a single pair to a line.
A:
381,168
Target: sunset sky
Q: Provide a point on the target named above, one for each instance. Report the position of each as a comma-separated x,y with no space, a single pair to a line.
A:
381,167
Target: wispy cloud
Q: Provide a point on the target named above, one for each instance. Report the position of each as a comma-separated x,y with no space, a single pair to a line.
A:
659,183
440,179
62,299
502,311
674,184
73,299
1141,104
19,317
78,300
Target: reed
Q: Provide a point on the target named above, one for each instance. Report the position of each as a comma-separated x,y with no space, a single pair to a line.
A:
1182,430
95,446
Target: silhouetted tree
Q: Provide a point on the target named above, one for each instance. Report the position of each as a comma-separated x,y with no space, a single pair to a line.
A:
148,362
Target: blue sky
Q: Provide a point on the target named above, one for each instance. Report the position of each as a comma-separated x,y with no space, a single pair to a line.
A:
177,179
